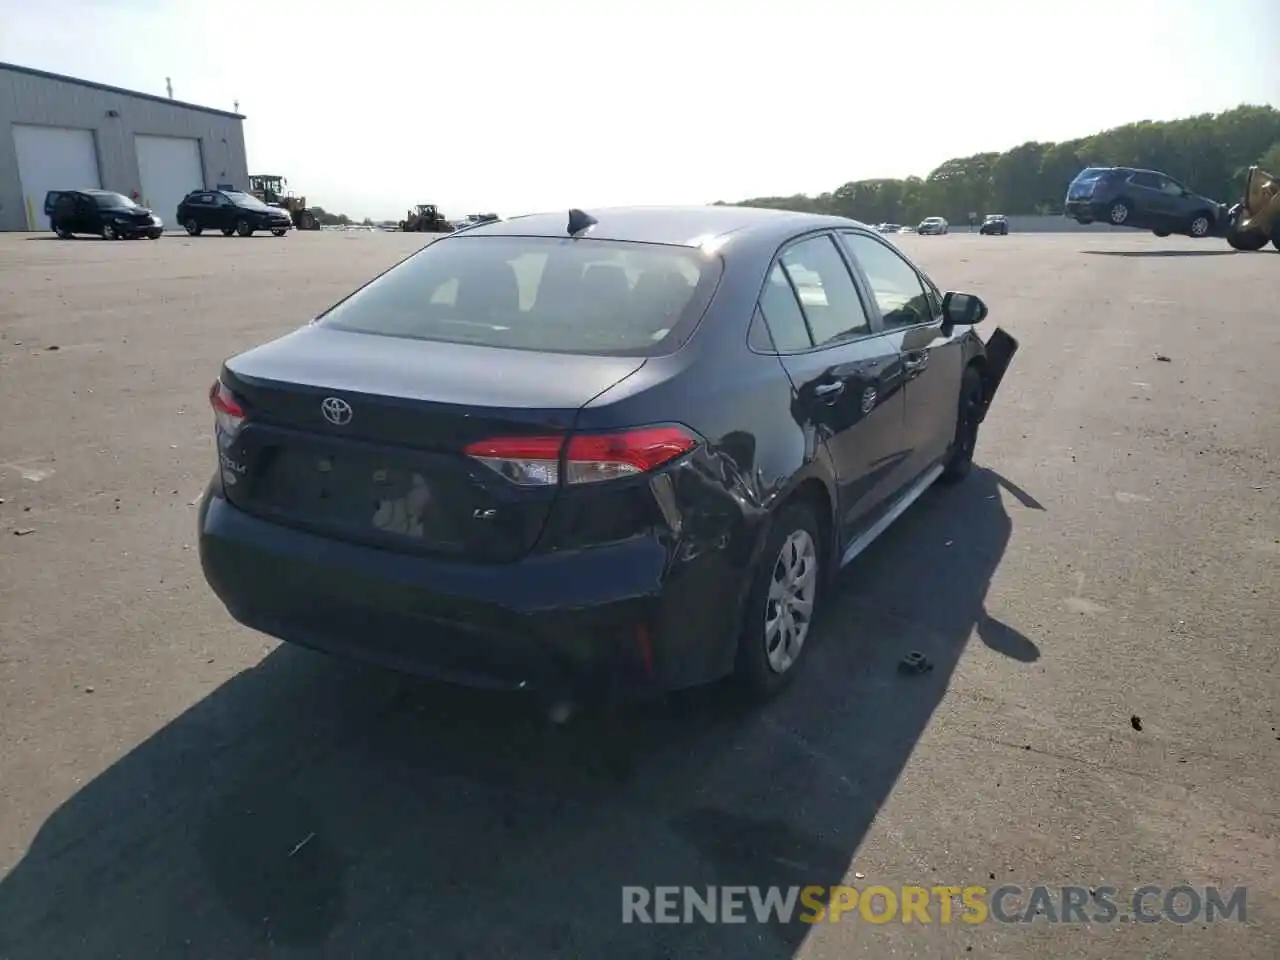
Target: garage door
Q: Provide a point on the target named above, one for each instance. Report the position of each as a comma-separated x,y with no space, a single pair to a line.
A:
52,158
169,168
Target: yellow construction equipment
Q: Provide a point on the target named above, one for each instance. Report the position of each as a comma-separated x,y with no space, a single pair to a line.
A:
274,190
425,218
1256,218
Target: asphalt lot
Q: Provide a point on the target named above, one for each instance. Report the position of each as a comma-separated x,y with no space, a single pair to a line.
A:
174,786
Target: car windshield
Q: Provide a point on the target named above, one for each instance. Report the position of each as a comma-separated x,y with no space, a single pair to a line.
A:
112,201
246,200
559,295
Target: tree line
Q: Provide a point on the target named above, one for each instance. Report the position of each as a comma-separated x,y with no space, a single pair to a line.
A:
1208,153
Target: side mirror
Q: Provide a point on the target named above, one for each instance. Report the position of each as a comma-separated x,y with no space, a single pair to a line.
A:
963,309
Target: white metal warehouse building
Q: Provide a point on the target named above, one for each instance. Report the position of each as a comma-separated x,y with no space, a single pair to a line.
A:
60,133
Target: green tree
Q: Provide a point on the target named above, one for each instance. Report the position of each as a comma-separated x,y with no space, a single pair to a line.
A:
1209,153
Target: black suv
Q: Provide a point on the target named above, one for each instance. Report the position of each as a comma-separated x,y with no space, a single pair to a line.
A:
1144,199
112,216
231,212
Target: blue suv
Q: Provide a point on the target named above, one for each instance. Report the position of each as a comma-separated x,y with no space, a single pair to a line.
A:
1143,199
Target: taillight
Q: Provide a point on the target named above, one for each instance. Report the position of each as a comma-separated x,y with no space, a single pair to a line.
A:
584,457
228,415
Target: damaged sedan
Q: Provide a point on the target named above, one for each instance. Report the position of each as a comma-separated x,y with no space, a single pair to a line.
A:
592,454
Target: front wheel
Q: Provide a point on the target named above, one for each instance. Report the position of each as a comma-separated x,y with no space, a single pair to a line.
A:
62,233
277,232
244,228
109,232
782,602
1200,226
192,227
1161,233
1120,212
968,419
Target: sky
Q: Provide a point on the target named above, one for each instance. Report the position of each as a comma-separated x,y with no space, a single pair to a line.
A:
499,105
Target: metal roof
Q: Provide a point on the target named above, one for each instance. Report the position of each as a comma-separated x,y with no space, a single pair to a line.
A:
45,74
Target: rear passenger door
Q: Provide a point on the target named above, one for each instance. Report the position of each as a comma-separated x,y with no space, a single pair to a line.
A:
847,377
910,308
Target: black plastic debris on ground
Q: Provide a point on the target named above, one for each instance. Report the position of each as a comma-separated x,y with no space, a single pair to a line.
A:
1136,722
915,662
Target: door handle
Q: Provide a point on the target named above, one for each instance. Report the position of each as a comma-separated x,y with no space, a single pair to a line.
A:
829,391
915,362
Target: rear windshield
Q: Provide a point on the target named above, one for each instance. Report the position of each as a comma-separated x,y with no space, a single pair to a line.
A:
558,295
1090,173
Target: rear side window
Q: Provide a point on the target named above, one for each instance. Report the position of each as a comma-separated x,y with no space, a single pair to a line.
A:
553,294
782,313
827,295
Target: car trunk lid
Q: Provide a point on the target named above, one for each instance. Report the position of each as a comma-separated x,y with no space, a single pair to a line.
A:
362,437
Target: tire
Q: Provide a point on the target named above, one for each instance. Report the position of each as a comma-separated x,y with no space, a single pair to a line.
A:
244,228
1200,226
1161,233
278,232
966,439
155,234
62,233
1119,213
193,229
229,231
109,232
766,662
1247,240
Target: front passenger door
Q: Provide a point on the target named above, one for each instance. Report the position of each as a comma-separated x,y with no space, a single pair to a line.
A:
846,376
932,356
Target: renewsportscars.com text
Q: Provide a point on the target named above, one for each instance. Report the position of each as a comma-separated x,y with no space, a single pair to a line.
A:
970,904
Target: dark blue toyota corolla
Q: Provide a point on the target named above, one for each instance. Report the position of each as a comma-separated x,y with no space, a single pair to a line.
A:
592,454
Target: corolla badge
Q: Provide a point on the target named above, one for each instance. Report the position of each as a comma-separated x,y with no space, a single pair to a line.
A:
336,410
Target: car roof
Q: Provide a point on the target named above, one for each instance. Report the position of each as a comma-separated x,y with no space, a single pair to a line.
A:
687,226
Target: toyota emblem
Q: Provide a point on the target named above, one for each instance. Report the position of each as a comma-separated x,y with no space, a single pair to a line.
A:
336,410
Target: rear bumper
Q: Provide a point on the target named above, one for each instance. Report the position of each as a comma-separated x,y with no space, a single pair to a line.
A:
611,622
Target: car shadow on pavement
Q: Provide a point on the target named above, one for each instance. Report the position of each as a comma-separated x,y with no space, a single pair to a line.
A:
1159,253
309,807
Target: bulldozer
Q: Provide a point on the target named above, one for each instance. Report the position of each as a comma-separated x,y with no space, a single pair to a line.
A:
426,218
1256,218
272,189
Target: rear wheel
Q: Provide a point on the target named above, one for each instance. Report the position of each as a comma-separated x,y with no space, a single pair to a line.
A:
228,231
1120,212
244,228
192,228
62,232
109,232
782,602
968,419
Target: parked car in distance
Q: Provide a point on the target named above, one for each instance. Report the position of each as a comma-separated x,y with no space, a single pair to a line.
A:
889,227
103,213
1143,199
231,211
602,468
995,225
933,225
